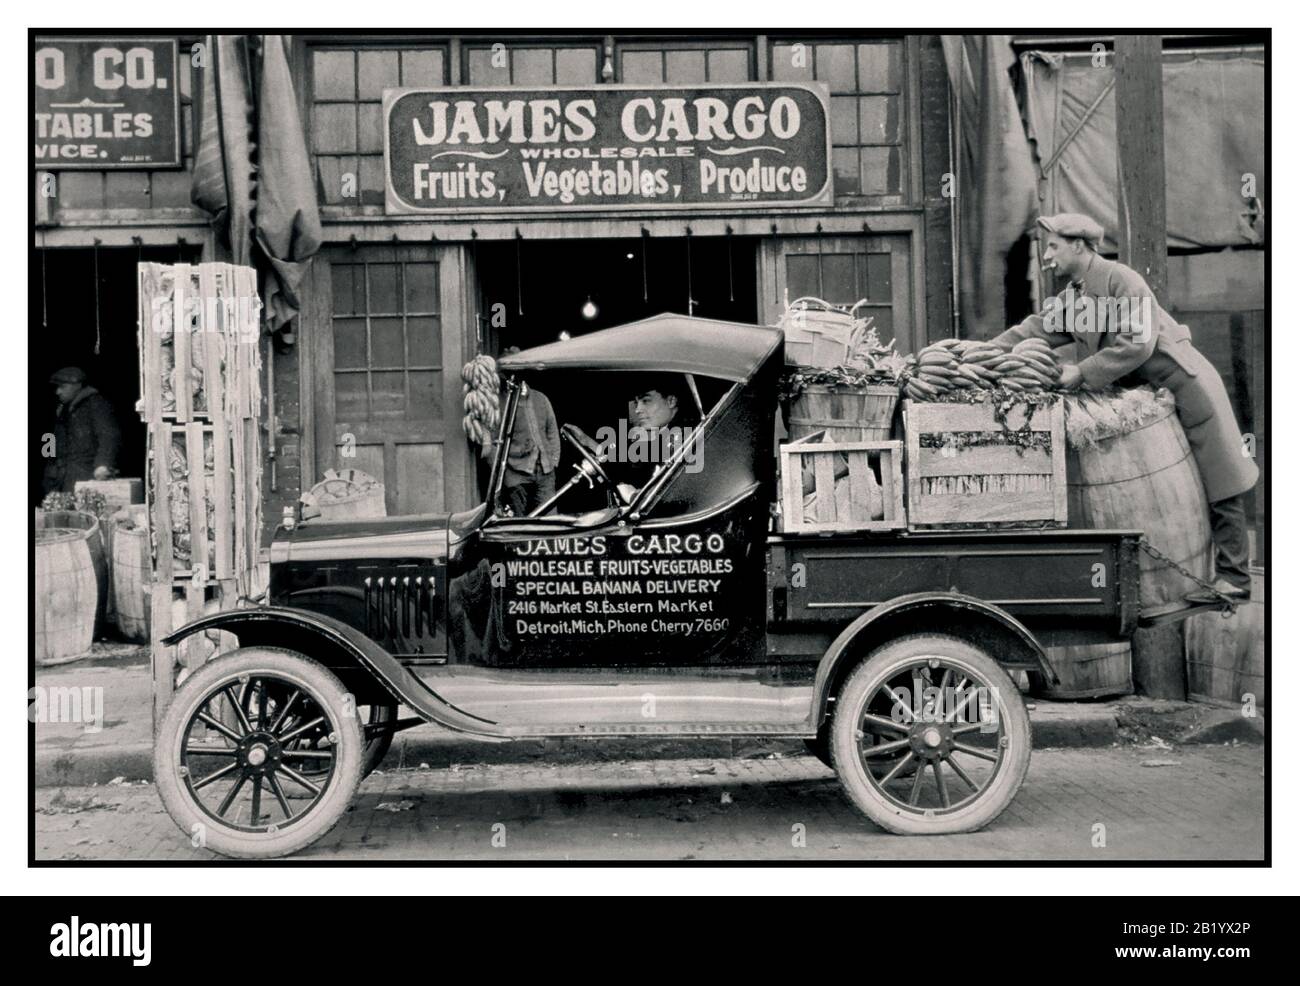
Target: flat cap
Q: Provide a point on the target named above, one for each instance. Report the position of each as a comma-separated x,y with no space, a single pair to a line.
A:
1073,224
69,374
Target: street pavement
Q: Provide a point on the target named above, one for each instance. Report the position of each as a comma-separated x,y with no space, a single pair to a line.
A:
1119,803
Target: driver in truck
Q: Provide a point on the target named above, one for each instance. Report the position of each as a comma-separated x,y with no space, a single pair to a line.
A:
659,421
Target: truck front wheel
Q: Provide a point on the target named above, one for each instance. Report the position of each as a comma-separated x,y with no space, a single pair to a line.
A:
930,736
230,764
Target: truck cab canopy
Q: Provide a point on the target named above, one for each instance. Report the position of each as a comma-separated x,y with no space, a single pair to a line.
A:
667,343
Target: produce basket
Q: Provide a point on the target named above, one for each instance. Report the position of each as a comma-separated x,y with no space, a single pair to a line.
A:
817,333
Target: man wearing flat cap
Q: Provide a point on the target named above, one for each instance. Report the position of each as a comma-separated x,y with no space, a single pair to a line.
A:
86,436
1125,337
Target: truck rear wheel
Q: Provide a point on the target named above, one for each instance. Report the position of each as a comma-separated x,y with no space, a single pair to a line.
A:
228,764
930,736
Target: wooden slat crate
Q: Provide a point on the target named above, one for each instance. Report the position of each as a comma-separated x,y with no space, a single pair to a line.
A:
845,479
967,469
200,364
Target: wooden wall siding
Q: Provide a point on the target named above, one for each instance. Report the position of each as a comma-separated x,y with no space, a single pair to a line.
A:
935,163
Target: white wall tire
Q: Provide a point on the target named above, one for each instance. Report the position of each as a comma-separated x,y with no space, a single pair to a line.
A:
249,758
912,797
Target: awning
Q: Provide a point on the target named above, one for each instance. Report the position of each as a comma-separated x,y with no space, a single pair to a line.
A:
662,343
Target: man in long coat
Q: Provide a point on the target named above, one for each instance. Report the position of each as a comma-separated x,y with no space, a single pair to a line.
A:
1125,337
86,435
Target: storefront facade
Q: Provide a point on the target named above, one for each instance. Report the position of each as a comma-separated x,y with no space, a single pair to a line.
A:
397,302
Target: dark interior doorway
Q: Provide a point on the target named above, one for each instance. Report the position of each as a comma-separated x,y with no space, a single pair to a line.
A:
82,320
534,290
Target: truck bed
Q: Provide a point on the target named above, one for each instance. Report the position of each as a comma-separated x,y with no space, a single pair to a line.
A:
1084,578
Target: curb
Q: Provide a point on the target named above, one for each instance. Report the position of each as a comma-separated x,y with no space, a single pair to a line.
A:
1054,724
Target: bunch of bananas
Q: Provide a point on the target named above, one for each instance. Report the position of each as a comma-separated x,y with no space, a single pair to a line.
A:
1030,366
935,374
957,364
481,393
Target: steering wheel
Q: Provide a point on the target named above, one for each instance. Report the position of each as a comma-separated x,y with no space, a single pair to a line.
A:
591,463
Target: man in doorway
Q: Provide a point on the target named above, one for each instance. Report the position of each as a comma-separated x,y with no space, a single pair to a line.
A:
1125,337
529,479
86,434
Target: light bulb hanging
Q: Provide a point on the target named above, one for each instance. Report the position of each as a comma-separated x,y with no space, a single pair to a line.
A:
589,310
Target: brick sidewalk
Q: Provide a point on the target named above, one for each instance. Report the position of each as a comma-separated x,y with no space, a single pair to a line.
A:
1209,806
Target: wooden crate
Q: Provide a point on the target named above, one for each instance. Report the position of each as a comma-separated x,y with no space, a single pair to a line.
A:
951,483
204,318
843,475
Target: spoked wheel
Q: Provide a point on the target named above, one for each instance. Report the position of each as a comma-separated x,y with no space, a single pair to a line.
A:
377,722
234,764
930,736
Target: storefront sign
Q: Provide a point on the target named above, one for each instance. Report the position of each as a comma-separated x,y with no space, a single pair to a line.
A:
106,103
607,147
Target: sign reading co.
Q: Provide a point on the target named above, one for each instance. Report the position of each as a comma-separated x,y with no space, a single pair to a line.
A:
608,147
106,103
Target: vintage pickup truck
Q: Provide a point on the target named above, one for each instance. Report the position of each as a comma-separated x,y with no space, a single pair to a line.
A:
671,608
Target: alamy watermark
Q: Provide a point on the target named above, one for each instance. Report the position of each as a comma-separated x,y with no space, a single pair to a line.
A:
1082,314
637,444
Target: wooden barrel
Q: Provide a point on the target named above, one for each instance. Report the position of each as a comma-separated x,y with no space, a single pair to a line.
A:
131,576
88,525
846,414
1145,479
1225,656
1087,667
66,594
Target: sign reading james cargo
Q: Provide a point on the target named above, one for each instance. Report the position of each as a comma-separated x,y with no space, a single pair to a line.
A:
106,103
607,147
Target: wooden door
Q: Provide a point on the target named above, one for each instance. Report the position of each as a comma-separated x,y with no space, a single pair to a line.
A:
385,343
844,270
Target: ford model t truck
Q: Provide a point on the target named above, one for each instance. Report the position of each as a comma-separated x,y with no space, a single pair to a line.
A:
662,607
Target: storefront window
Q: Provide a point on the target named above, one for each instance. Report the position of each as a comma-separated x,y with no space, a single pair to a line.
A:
868,132
508,65
347,139
684,64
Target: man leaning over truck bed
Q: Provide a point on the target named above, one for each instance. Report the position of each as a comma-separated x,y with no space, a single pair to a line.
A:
1125,337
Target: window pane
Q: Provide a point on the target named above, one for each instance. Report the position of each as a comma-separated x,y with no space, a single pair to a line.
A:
376,71
334,127
532,67
791,63
372,179
426,396
331,170
389,394
370,128
883,321
880,67
686,66
879,119
729,66
844,162
837,279
383,288
333,76
844,120
422,68
342,278
835,65
879,272
349,343
483,73
642,67
387,347
801,276
349,397
880,172
424,341
421,287
575,66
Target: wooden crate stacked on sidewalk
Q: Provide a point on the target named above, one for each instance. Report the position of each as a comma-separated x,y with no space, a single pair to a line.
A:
200,391
969,467
829,487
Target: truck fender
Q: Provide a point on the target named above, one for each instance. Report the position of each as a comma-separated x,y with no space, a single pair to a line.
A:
982,623
363,666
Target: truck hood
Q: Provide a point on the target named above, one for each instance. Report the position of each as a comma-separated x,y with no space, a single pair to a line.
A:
415,536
